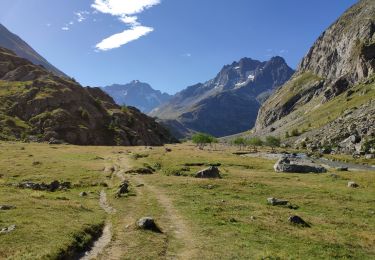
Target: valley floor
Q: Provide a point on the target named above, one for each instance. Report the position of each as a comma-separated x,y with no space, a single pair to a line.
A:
225,218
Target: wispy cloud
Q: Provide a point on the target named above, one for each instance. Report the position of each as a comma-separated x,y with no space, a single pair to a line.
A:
81,16
187,55
119,39
126,11
65,28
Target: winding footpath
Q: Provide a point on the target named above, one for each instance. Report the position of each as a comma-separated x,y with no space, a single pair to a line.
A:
111,247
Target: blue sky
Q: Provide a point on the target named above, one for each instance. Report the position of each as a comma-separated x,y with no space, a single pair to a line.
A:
184,42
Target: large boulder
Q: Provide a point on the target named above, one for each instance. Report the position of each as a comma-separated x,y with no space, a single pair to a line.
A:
296,165
211,172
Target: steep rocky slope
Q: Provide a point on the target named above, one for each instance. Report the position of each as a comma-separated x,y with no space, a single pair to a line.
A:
138,94
334,82
227,104
37,105
14,43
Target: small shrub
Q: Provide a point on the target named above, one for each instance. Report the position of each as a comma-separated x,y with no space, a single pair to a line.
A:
295,132
273,142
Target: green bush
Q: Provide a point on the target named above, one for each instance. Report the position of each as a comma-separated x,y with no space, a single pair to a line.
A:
295,132
368,145
202,139
273,142
255,142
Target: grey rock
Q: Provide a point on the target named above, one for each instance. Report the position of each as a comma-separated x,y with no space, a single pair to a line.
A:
7,207
342,169
123,188
297,166
298,221
276,202
8,229
53,186
148,223
211,172
83,194
370,156
54,141
352,184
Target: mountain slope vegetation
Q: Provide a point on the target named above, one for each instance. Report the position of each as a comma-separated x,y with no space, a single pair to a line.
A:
331,96
38,105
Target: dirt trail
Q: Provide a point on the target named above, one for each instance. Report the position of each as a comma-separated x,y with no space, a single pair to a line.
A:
176,225
106,236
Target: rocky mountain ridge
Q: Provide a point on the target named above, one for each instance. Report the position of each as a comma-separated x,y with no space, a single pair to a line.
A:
227,104
336,77
14,43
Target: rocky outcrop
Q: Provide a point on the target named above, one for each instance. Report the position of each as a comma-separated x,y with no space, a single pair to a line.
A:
227,104
336,74
211,172
290,165
37,105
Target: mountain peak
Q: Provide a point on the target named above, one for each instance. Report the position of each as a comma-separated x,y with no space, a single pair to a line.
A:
138,94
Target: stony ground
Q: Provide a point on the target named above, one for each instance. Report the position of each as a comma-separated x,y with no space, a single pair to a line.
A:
226,218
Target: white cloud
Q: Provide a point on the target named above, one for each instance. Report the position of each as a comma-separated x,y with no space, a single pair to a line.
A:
119,39
126,11
123,7
81,16
65,28
188,55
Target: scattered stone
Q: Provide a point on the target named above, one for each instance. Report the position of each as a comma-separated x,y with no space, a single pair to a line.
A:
370,156
54,141
276,202
148,223
35,163
342,169
211,172
8,229
233,220
53,186
252,218
140,185
7,207
83,194
298,221
168,150
352,184
297,166
123,188
143,171
109,169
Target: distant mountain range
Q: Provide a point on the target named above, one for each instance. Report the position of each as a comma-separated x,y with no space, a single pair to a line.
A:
138,94
227,104
14,43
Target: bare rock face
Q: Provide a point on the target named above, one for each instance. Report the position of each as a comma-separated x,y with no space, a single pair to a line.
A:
339,67
40,104
227,104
